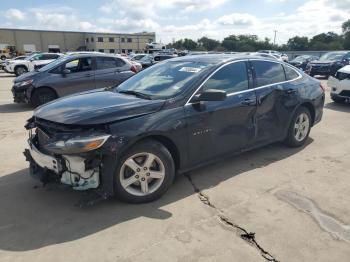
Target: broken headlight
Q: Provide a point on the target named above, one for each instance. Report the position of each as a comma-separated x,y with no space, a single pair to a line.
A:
78,144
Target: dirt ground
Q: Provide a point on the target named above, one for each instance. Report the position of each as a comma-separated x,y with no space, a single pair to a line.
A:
296,201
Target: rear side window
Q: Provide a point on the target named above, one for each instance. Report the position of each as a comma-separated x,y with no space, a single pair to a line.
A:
290,73
231,78
108,62
268,73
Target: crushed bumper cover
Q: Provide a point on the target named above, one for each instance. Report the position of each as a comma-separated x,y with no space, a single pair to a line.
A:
69,170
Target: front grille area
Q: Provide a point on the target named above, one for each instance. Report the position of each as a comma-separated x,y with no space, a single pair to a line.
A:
345,93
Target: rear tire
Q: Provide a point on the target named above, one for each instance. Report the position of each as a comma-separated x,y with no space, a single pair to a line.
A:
3,57
338,100
20,70
299,128
42,96
134,171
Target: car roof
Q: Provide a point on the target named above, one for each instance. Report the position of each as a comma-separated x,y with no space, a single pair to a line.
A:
219,58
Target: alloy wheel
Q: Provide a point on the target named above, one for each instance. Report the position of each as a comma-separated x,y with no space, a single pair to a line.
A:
301,127
142,174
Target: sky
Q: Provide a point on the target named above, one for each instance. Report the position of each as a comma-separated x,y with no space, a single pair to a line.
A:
176,19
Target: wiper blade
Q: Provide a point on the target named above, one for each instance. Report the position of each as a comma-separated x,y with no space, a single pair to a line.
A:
135,93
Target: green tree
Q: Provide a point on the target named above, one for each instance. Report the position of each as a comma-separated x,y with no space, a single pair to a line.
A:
326,41
346,26
346,31
208,44
298,43
189,44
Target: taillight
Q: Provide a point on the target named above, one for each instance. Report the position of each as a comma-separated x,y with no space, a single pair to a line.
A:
323,87
133,68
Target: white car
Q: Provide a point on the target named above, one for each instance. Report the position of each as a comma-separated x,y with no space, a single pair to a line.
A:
340,85
154,45
285,57
21,66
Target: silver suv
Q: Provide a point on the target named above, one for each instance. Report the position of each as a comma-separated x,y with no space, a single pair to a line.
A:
71,74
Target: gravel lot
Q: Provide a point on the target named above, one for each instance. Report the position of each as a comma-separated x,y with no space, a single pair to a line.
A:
296,201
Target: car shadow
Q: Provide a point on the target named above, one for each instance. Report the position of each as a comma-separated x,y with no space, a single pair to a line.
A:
344,107
15,108
33,216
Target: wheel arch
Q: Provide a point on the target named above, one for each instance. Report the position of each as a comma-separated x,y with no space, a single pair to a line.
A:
311,109
165,141
37,89
20,65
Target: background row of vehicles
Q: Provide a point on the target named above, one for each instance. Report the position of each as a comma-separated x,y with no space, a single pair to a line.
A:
53,75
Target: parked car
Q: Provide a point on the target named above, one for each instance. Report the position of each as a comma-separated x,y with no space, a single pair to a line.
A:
302,61
71,74
270,52
265,55
171,117
28,64
161,57
136,64
284,57
156,46
146,60
3,62
329,63
340,85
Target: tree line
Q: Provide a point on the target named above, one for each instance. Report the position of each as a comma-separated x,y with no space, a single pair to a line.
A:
250,43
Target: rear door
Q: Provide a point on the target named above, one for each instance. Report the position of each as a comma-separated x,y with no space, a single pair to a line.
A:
80,77
277,97
220,127
111,71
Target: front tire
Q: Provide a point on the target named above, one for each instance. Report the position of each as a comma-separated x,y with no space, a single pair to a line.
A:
42,96
299,128
144,173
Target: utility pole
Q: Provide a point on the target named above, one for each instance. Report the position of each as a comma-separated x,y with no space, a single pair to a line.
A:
274,39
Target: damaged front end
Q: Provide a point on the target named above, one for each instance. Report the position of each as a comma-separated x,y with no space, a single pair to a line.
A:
71,155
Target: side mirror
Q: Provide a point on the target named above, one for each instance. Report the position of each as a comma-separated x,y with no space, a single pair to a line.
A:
65,71
211,95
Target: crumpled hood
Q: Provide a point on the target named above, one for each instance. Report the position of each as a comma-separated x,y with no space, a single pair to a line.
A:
98,107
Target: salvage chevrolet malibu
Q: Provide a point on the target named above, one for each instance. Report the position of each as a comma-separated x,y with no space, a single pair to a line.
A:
130,140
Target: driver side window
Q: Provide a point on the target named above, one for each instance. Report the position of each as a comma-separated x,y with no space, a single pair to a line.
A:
231,78
79,65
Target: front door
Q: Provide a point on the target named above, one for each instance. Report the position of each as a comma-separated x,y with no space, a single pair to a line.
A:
79,77
220,127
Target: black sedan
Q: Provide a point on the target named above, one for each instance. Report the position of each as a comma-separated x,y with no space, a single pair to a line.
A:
329,63
302,61
182,113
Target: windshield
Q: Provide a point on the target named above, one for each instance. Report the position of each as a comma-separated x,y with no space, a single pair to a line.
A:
163,80
54,63
30,57
332,56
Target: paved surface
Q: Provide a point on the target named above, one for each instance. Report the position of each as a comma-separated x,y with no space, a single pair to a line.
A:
296,201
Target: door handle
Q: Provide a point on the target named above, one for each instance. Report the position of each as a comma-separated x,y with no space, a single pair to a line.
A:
248,102
88,75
